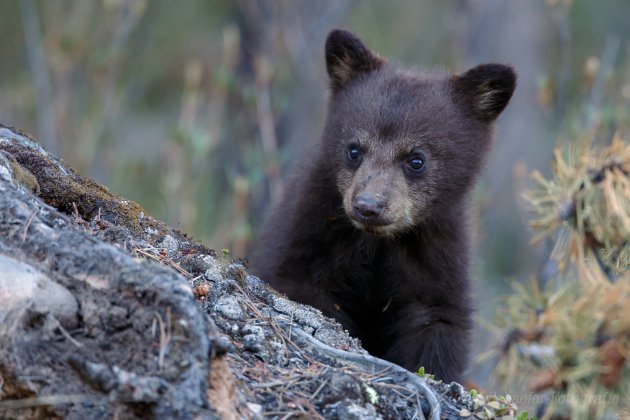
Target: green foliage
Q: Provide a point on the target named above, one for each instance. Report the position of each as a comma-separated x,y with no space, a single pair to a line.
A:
424,375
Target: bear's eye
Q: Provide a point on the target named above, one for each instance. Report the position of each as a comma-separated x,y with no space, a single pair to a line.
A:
417,163
353,153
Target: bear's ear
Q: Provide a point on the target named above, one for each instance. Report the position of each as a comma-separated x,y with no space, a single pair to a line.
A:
487,89
347,57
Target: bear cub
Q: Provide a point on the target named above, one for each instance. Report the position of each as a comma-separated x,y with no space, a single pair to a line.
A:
372,229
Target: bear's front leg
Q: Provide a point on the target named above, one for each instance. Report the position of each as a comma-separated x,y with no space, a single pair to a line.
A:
434,338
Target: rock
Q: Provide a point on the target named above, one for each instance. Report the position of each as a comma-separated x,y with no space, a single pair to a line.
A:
170,245
253,338
341,386
345,410
23,286
229,307
139,330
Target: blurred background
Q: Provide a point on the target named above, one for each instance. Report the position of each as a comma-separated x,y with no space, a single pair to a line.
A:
196,109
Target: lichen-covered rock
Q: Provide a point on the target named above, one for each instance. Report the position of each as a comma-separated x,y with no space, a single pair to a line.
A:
229,307
140,346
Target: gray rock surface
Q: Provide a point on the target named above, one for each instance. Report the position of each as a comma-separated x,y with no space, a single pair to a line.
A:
22,287
88,330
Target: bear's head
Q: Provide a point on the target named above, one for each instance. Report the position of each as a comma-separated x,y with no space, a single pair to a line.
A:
406,145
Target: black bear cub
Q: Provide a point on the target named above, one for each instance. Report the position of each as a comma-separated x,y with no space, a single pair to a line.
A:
372,229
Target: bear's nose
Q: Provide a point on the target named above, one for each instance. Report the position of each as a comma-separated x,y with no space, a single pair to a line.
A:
367,207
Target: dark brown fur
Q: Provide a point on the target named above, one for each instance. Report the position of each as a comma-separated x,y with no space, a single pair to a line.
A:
393,271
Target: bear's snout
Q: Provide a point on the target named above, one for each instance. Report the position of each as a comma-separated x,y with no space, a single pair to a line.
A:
367,208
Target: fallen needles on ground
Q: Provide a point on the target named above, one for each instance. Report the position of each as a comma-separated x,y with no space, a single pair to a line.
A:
369,364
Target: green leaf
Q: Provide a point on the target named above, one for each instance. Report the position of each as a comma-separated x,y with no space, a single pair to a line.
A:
523,416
